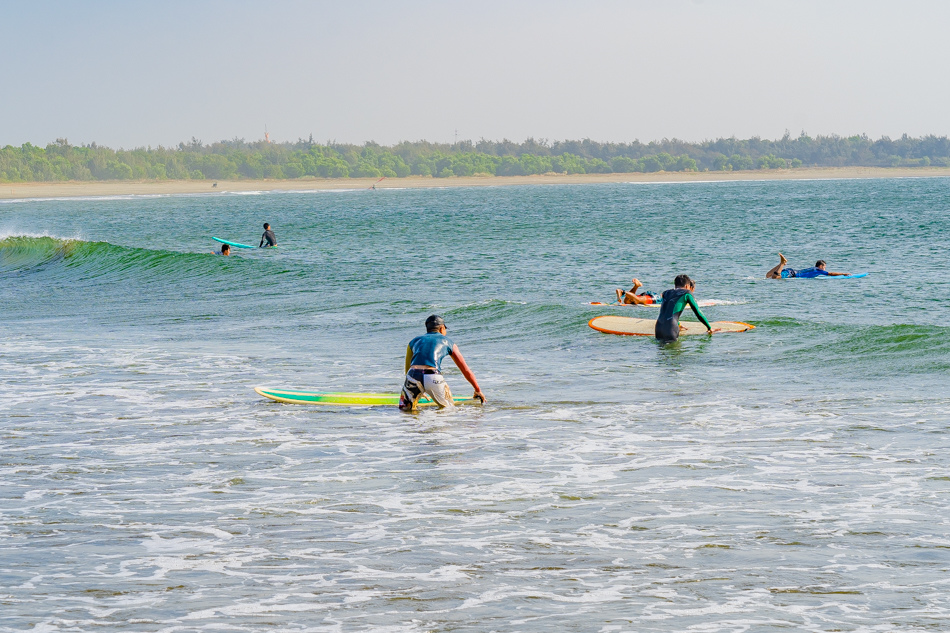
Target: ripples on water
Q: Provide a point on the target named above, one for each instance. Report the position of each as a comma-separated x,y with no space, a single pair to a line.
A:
792,478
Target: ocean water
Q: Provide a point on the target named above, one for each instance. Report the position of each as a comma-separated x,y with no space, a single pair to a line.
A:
795,477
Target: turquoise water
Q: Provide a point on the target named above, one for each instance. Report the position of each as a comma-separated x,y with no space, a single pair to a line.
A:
795,477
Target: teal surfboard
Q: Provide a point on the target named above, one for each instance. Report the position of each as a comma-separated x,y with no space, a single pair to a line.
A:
347,399
854,276
235,244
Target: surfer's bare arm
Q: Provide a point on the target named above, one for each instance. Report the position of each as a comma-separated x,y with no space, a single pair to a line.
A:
838,274
408,358
469,376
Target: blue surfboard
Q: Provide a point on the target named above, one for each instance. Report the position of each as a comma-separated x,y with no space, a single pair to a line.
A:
854,276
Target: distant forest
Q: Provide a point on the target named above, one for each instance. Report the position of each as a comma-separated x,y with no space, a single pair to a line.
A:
238,159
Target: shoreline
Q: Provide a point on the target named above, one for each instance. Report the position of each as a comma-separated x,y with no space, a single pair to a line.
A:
72,189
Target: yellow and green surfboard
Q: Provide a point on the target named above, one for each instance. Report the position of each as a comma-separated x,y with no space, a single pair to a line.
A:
341,398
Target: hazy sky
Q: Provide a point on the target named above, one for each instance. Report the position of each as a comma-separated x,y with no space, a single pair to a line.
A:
133,73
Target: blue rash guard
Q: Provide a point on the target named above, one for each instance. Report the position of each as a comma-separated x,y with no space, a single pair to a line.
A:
430,349
810,273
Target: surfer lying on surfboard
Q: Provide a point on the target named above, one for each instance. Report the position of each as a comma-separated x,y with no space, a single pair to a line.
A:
818,270
424,356
674,302
630,297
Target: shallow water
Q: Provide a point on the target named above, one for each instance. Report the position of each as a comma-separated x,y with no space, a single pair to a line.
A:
795,477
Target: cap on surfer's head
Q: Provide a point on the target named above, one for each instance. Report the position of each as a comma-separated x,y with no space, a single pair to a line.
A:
266,226
434,322
682,281
820,263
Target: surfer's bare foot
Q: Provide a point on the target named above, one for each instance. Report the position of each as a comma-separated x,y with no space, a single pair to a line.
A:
619,295
776,273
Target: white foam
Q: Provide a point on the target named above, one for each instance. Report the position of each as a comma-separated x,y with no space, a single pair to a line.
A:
14,233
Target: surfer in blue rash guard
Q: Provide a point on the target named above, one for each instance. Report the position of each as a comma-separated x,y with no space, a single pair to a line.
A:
818,270
674,302
268,237
424,356
225,250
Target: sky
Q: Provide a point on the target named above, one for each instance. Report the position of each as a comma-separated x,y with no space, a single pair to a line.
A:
136,73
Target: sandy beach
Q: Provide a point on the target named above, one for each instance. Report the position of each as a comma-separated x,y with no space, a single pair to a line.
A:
23,190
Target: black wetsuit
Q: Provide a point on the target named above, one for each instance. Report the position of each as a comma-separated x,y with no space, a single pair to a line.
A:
269,237
673,303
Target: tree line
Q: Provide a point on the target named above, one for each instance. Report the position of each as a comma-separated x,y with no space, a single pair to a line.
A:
238,159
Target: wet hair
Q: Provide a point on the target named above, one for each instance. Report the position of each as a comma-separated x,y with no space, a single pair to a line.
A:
225,248
682,281
266,226
434,322
820,263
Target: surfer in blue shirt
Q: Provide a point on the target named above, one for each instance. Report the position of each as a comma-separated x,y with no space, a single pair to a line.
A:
268,237
818,270
424,357
225,250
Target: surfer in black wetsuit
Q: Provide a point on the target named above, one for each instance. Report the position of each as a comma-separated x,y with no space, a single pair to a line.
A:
268,237
673,303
